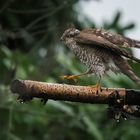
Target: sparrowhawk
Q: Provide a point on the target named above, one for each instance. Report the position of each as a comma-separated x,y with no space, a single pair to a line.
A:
101,51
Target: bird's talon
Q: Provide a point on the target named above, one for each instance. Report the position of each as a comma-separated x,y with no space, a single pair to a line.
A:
72,77
68,77
62,77
97,87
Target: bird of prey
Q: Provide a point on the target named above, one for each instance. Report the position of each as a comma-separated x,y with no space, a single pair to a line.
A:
101,51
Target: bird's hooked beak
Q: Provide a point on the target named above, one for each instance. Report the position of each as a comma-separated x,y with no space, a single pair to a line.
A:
69,33
62,38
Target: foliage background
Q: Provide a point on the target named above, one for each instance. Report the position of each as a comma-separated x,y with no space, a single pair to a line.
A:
30,49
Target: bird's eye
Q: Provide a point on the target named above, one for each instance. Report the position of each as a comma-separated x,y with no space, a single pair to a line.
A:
73,33
77,31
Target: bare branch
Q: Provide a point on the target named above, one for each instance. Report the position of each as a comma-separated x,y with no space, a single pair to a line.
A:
28,89
118,99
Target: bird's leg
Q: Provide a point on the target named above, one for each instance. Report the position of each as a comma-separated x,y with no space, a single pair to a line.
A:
74,76
97,87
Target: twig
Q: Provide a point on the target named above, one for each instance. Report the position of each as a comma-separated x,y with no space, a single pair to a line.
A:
32,11
46,16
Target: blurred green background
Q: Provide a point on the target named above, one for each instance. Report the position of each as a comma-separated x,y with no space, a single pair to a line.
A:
30,31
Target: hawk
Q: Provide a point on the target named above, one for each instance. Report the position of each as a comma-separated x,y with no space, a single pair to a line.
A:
101,51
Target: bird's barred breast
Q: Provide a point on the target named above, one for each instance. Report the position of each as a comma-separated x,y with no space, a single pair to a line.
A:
91,60
95,58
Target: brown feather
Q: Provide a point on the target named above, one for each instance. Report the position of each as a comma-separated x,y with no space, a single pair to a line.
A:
126,69
101,51
92,39
114,38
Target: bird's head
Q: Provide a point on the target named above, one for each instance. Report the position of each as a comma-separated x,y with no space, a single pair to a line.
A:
69,33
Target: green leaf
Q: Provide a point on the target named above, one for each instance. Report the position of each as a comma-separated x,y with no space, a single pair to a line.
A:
61,106
92,128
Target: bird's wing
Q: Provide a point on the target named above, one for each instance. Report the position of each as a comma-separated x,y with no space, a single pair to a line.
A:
91,38
114,38
133,42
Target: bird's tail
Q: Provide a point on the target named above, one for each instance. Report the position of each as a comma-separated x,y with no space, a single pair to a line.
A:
132,76
126,54
126,69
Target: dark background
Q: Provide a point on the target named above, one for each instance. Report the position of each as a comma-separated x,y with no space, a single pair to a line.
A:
30,48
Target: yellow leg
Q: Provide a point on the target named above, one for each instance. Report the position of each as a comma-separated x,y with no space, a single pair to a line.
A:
73,76
97,87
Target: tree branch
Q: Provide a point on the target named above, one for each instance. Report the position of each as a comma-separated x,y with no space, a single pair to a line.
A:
118,99
28,89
